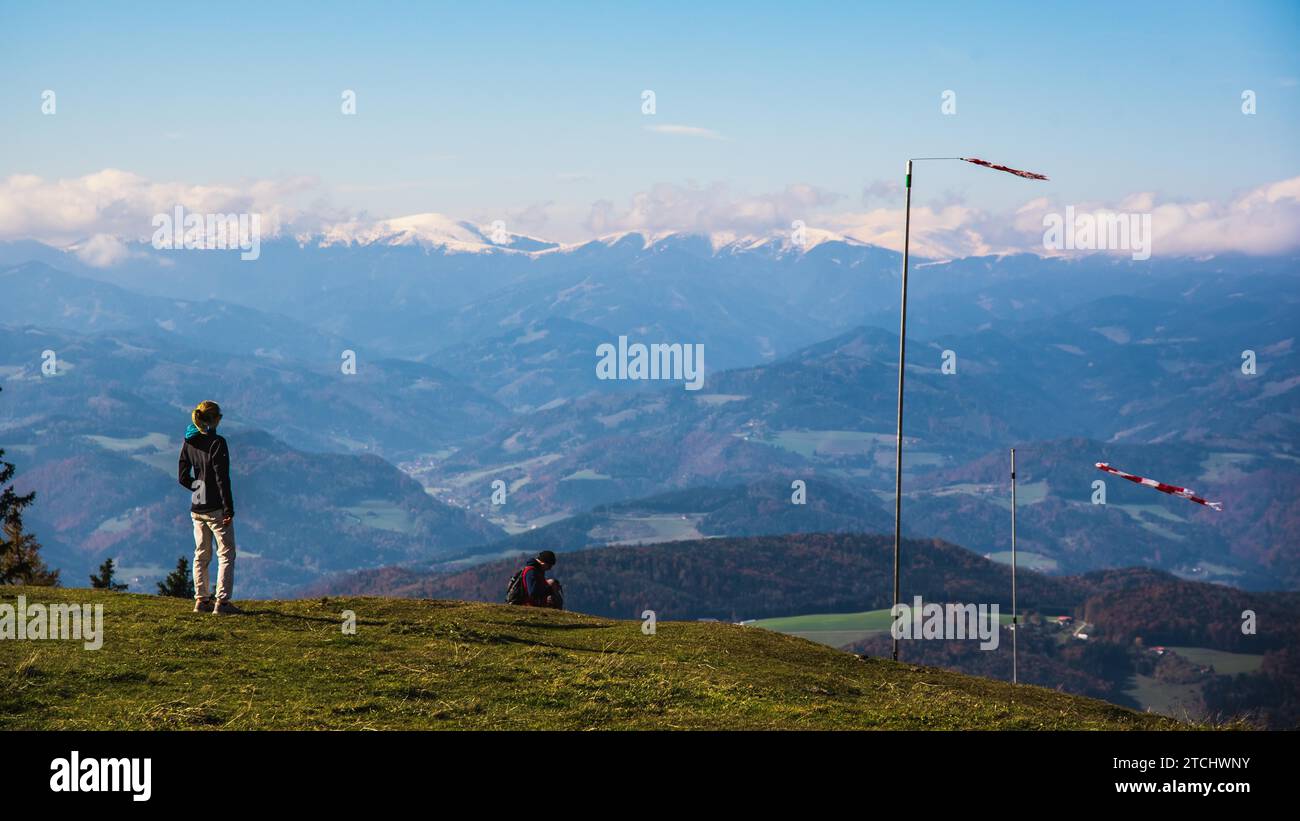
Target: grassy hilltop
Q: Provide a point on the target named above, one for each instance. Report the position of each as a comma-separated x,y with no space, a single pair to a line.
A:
419,664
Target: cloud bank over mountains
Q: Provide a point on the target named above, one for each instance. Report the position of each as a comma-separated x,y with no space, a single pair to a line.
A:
98,215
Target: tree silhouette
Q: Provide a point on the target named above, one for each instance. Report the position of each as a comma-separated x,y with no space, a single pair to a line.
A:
20,561
179,582
104,581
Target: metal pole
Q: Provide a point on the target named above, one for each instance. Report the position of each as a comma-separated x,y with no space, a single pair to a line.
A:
1015,614
902,350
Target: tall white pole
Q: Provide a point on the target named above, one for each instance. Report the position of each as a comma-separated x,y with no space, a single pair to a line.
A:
898,440
1015,614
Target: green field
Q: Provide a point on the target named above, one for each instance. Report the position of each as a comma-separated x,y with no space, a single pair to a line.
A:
720,398
381,514
1223,662
812,443
1176,700
832,629
1149,517
464,480
1208,572
116,524
1027,493
1030,561
150,441
513,525
419,664
586,474
648,528
153,449
1156,511
164,460
836,629
1220,462
1181,700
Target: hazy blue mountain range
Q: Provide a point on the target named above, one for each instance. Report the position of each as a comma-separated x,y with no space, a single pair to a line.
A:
392,407
41,296
476,364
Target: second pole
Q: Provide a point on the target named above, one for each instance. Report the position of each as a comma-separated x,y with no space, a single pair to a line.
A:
898,449
1015,614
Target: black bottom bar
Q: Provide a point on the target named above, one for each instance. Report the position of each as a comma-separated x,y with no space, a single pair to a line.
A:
241,771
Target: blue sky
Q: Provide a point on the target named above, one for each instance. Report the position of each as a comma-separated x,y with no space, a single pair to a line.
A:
475,109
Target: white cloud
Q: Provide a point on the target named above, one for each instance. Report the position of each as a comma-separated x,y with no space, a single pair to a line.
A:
1262,220
102,251
122,204
715,208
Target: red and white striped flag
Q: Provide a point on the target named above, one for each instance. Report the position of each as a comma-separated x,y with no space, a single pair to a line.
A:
1173,490
1029,175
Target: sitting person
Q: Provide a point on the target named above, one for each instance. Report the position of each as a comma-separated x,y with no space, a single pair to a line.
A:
530,587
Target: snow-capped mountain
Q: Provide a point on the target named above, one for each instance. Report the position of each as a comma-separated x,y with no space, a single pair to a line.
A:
429,230
721,242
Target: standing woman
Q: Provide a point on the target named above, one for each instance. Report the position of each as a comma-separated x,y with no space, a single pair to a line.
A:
205,470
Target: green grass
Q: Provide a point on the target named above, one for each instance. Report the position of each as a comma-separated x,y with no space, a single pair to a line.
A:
444,664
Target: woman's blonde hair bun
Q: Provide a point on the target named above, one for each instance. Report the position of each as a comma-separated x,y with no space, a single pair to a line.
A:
206,414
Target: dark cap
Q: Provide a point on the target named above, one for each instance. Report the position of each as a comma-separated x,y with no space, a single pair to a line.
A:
546,557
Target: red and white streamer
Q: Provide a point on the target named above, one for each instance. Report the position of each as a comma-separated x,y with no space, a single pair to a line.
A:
1029,175
1172,490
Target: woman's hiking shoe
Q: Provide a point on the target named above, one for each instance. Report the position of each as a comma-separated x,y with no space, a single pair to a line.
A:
226,608
203,605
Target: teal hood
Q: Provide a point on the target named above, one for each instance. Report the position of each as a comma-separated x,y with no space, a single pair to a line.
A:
192,431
